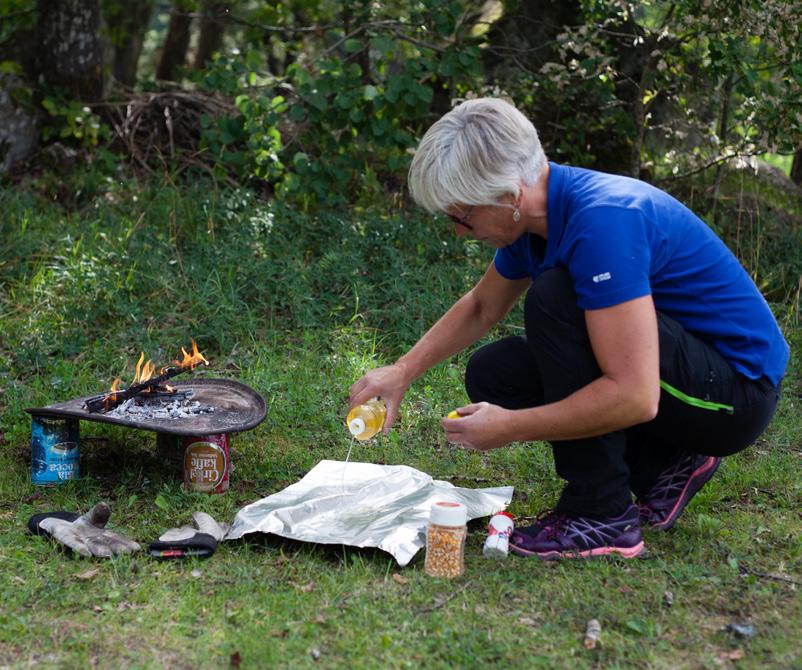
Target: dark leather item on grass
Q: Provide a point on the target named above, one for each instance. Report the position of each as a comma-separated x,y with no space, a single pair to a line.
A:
33,522
201,545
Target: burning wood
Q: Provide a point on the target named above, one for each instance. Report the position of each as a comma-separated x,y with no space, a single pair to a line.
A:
144,381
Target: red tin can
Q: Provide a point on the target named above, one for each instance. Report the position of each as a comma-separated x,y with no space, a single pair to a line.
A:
206,463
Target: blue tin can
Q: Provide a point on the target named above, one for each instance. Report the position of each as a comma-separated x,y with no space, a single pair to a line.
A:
55,450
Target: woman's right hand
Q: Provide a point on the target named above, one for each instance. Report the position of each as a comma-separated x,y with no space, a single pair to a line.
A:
389,382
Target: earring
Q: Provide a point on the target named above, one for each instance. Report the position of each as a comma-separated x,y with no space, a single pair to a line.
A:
516,215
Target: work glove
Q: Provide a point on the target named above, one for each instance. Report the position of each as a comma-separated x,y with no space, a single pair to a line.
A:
86,535
198,540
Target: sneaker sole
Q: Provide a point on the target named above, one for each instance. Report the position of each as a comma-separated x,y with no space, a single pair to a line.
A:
700,477
626,552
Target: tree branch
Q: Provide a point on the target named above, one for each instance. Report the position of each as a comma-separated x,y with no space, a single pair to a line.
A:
417,43
709,164
14,15
227,16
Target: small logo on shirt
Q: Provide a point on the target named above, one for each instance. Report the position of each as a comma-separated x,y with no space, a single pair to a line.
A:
604,276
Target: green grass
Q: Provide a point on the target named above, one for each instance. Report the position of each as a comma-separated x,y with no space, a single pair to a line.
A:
298,308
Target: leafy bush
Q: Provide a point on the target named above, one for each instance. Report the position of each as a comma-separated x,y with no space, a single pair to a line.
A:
339,126
667,88
72,120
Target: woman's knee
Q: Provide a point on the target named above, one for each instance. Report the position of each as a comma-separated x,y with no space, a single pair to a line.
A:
504,373
479,374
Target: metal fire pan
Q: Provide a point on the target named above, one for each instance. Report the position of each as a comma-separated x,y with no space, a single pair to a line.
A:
237,408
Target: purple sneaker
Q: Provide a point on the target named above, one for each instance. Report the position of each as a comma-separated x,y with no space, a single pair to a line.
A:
563,536
675,487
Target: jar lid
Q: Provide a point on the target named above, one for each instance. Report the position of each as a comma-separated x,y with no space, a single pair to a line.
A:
447,513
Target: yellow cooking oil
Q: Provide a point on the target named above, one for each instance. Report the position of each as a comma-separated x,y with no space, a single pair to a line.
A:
365,420
345,464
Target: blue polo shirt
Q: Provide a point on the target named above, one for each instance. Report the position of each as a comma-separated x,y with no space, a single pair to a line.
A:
621,239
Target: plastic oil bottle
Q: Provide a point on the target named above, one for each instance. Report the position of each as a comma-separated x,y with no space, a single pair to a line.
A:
365,420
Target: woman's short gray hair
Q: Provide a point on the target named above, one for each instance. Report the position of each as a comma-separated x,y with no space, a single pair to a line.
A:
475,154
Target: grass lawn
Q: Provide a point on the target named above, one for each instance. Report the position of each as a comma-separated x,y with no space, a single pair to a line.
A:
298,307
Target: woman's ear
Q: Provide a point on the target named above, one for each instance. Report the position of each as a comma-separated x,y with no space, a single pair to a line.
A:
521,189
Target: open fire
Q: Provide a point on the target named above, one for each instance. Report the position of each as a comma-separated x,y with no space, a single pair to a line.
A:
148,384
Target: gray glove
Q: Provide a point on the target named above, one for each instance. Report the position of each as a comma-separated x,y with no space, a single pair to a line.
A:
88,536
198,541
203,523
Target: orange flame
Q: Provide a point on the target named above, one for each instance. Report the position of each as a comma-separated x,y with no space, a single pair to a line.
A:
146,370
109,401
143,372
193,359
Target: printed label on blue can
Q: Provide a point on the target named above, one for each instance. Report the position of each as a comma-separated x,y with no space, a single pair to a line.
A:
55,450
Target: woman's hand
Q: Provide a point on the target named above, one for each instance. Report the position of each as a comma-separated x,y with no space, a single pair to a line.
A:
390,383
481,426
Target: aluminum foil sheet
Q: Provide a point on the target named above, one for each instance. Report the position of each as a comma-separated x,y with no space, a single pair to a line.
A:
362,505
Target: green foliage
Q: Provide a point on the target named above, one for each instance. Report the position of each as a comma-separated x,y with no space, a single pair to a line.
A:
72,120
338,125
671,87
761,223
15,15
749,99
332,97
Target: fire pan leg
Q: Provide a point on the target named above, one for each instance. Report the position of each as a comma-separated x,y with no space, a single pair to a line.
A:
168,450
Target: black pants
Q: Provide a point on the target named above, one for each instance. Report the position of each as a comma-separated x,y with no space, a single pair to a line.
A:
706,407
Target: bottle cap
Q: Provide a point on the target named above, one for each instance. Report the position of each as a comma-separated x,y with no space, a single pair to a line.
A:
356,426
501,522
446,513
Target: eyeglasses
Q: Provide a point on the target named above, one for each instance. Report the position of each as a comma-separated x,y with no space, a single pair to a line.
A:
462,220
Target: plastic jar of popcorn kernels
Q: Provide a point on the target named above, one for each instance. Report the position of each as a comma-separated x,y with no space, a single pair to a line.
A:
445,540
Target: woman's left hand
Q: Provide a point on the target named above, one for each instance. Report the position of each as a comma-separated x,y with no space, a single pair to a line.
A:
481,426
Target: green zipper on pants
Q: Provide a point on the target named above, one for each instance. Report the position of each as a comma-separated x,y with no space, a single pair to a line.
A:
696,402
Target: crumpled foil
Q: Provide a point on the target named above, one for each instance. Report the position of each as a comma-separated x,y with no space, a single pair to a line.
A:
362,505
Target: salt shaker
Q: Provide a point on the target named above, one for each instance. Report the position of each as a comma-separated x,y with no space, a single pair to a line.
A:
445,539
497,544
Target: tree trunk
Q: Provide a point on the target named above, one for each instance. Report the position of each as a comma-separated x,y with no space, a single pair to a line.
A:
796,167
211,31
618,149
174,51
128,25
19,128
19,44
519,43
524,39
639,121
723,124
524,35
69,47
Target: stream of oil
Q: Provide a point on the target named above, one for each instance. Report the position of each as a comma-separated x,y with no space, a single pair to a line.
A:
345,465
